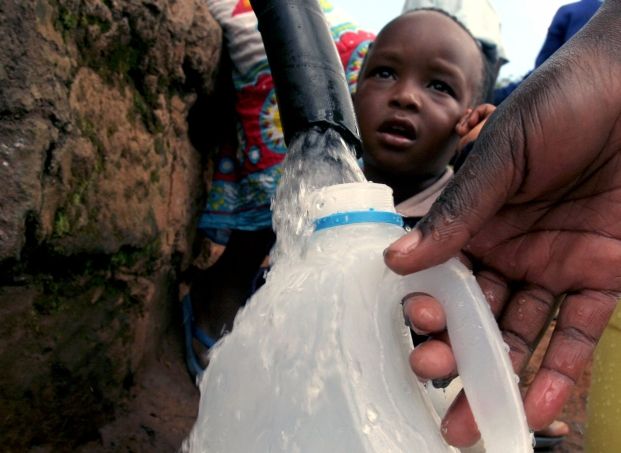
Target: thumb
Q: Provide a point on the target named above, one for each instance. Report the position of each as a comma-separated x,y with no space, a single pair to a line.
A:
489,176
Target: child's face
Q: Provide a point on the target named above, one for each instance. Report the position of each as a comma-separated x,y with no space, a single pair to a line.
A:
419,79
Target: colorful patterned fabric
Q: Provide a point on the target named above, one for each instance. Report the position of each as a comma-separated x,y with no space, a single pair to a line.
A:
245,178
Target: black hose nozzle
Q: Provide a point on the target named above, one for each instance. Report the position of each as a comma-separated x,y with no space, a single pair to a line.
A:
310,83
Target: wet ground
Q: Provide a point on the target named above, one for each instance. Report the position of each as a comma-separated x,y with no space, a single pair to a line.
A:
164,405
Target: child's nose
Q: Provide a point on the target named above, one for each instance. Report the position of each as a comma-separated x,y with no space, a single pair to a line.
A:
407,96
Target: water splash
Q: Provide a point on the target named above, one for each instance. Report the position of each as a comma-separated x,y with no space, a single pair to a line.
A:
372,414
315,159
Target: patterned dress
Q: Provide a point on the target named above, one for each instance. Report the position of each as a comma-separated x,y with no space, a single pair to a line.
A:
245,177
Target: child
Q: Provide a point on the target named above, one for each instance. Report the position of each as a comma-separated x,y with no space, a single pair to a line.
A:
417,89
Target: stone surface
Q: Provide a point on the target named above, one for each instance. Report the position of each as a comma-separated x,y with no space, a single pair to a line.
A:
101,164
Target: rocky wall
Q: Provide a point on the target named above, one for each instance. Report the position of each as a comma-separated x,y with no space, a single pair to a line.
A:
100,190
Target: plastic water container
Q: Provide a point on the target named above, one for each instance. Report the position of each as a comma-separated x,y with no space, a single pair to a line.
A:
318,359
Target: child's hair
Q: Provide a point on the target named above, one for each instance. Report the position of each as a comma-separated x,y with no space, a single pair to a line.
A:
489,57
491,65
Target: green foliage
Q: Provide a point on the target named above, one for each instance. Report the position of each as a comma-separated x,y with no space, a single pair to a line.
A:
120,59
89,131
67,20
61,223
67,282
132,258
103,24
143,109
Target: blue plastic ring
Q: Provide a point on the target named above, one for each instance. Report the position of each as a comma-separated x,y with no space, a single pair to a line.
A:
347,218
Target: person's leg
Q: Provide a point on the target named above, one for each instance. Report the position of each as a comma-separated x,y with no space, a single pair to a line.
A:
218,292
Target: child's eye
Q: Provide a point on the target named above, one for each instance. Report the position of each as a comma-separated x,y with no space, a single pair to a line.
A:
443,87
382,72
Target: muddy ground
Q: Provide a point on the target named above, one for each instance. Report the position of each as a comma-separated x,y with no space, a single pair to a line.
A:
161,409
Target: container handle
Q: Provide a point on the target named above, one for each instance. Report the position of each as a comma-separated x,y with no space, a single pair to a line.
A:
482,356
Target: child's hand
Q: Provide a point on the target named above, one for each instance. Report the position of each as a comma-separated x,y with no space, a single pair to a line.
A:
470,125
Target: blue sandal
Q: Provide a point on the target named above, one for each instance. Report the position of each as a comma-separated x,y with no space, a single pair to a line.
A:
192,331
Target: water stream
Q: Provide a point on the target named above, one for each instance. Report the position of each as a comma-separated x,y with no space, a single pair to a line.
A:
316,158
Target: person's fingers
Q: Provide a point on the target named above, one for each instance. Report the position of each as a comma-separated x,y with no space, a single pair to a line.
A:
526,316
433,359
473,118
425,314
526,313
495,289
458,426
485,110
469,136
580,324
463,126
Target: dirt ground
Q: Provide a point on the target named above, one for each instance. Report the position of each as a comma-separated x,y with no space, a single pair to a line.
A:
164,405
161,410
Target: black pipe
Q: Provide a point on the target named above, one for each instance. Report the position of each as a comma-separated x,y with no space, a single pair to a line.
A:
310,83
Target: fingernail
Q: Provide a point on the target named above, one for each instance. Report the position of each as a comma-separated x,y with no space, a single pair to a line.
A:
419,332
407,243
406,320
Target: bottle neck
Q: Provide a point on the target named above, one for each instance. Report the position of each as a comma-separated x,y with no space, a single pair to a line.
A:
353,217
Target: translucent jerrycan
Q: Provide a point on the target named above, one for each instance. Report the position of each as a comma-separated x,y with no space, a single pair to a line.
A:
318,359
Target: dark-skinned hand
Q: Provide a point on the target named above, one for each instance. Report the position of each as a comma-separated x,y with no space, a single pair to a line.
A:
536,209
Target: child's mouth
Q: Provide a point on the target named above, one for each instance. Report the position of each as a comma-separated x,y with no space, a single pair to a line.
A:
398,133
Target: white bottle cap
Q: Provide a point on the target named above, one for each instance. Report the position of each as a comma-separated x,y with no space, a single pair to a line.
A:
355,196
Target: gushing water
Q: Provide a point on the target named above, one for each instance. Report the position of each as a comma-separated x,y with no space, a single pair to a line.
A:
315,159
